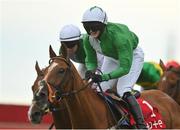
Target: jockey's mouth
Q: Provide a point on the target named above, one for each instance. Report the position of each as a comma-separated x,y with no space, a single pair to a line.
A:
95,34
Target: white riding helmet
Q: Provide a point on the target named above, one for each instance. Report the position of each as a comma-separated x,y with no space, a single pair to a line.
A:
95,14
69,33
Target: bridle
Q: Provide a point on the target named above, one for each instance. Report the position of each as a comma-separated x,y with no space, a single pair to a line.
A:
55,93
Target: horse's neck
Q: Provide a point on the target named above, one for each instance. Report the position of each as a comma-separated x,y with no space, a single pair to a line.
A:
61,118
171,90
86,109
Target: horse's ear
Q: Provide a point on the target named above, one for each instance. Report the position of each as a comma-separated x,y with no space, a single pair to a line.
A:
64,51
51,52
162,65
38,70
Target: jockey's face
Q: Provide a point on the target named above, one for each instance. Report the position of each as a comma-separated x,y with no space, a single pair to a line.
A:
94,29
72,47
72,50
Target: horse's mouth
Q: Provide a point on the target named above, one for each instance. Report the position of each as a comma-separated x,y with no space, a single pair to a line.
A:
36,118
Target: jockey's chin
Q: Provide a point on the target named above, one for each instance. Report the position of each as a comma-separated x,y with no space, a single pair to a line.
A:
95,34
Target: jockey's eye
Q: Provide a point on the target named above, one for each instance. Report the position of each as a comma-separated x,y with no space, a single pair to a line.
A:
61,70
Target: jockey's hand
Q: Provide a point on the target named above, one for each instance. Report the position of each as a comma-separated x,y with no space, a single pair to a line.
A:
88,74
96,78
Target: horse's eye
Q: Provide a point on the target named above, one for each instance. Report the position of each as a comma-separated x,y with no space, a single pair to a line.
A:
61,70
42,95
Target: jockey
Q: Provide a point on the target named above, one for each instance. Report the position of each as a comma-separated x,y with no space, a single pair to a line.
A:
150,75
71,37
123,58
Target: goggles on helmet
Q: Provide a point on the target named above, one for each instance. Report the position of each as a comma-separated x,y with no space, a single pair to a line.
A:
93,26
70,44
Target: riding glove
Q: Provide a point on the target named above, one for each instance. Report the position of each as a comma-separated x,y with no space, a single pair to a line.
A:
88,74
96,78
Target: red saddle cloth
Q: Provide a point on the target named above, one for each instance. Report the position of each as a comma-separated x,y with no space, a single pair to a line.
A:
151,114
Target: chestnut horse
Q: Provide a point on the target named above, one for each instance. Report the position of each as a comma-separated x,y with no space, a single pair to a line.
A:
59,113
85,108
170,82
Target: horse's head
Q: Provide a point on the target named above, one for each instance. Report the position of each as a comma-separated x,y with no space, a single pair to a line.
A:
59,79
170,78
59,75
40,103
